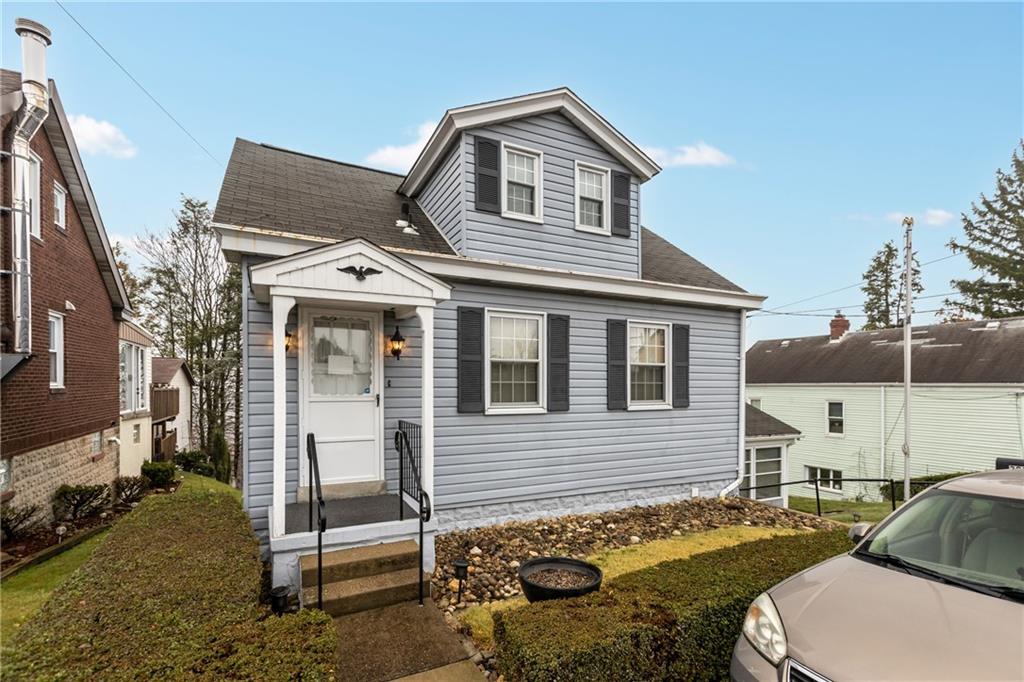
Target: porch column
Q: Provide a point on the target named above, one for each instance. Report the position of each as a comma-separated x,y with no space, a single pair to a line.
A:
426,315
282,305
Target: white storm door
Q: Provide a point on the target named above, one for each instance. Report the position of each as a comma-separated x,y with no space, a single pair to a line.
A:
341,378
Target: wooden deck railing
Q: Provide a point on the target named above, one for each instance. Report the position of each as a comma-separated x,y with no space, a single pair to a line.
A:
163,402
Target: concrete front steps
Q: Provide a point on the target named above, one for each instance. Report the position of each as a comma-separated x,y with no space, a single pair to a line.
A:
364,578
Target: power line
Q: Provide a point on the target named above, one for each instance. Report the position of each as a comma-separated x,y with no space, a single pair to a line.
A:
858,305
800,314
137,83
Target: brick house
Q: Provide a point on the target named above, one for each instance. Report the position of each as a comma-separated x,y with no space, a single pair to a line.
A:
61,297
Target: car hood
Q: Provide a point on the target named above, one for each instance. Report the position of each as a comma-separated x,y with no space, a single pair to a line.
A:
849,619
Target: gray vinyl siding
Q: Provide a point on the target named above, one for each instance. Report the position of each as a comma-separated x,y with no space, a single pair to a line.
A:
259,408
402,397
555,243
441,200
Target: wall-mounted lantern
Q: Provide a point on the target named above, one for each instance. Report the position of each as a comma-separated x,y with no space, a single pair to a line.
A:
396,344
289,338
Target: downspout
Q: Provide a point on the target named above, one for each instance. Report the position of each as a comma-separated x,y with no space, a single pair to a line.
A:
742,428
35,38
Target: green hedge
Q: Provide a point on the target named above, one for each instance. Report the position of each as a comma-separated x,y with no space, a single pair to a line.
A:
172,593
674,621
916,484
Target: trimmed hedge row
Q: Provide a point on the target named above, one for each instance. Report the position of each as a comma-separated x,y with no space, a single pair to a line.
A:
916,484
674,621
172,593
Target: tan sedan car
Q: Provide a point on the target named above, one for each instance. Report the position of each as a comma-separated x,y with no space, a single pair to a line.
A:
935,592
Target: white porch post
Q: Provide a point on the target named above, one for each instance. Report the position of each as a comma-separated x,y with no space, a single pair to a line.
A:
282,305
426,315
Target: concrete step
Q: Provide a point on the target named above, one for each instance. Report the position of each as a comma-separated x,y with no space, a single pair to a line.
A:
357,562
367,592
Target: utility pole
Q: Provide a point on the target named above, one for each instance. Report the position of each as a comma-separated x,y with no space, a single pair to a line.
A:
908,306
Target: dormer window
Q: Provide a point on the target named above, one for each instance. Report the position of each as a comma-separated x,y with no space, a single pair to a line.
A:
592,198
522,195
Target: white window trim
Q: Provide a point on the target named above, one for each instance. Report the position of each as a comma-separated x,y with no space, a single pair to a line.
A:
542,369
35,228
57,187
828,432
538,203
606,227
137,395
59,349
666,404
783,457
824,487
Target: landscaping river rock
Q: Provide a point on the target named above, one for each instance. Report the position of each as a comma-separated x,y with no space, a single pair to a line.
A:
495,552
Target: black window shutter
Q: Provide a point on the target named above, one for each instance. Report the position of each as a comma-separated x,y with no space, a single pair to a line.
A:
616,364
488,175
620,204
470,350
558,363
680,365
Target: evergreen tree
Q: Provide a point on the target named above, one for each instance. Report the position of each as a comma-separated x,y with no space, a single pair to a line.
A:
994,244
220,458
883,288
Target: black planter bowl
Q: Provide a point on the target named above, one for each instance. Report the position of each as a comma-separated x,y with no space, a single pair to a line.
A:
537,592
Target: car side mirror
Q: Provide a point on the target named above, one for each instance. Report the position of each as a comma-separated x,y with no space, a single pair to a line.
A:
858,531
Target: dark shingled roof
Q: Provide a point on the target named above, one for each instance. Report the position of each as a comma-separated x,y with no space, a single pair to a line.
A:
164,370
10,81
959,352
277,189
760,423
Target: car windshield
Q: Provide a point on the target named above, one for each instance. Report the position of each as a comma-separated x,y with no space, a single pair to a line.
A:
971,539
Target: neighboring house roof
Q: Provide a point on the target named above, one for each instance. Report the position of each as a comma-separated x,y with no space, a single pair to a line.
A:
164,370
761,424
958,352
562,100
58,131
277,189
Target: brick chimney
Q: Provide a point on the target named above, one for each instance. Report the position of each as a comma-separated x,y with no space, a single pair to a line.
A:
838,326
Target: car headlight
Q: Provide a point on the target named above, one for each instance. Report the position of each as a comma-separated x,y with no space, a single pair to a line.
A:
763,629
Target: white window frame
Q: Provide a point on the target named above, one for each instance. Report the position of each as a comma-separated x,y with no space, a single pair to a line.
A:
136,391
842,419
822,485
55,346
59,191
755,402
751,450
639,406
606,225
35,180
538,186
542,359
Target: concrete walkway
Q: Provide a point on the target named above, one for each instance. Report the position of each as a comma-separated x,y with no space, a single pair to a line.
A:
463,671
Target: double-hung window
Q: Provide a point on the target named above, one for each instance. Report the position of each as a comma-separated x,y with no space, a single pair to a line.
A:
828,478
35,183
133,377
592,199
515,361
60,207
56,350
522,195
836,418
648,365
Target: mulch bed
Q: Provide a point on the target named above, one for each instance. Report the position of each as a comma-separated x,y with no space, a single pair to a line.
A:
495,552
556,577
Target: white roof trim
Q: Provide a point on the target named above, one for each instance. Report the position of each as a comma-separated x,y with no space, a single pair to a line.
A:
489,113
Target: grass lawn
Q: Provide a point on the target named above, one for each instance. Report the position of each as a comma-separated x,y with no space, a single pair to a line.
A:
196,482
843,510
616,562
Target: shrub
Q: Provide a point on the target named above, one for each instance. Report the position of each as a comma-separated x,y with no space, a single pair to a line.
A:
160,474
130,489
78,501
172,592
195,461
916,485
15,519
676,620
220,457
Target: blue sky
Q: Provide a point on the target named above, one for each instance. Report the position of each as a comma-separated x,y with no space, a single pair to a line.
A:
797,134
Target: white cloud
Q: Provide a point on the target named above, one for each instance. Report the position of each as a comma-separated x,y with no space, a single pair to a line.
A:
700,154
894,217
937,216
101,137
401,157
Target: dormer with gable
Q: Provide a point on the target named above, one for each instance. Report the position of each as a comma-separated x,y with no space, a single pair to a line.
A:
540,180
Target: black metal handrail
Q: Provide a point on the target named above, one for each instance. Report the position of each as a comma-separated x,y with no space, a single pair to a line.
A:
817,489
407,444
321,516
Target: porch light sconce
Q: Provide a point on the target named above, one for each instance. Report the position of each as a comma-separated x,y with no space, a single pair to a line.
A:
397,344
289,338
461,573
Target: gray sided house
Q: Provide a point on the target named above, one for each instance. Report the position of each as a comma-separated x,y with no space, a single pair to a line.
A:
555,355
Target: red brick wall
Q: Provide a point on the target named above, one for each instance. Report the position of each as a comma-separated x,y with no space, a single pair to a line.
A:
63,269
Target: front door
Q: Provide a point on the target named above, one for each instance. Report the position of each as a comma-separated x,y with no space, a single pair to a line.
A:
341,372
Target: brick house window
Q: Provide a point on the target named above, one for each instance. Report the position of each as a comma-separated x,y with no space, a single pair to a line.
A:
60,207
56,350
133,387
35,183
